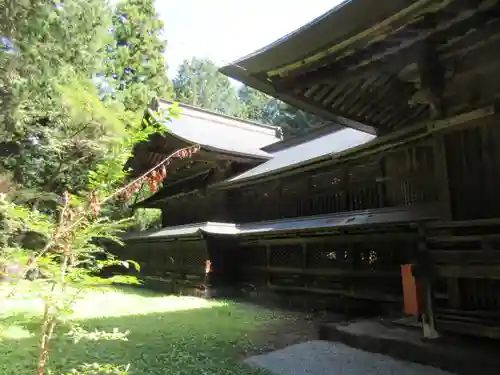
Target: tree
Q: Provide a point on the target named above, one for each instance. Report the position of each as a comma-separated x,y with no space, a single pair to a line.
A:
257,106
49,53
136,70
295,122
260,107
199,83
67,253
54,45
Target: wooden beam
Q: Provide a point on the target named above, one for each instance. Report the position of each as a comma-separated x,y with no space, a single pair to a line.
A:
366,37
469,271
329,272
461,118
376,296
465,257
407,52
336,239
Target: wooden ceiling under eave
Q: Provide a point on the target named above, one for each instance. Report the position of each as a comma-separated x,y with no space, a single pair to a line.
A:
150,153
427,60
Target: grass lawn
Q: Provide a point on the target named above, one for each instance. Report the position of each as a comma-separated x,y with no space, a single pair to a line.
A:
168,335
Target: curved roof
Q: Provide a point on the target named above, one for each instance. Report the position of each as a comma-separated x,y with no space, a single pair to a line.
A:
379,66
341,23
291,157
380,216
219,132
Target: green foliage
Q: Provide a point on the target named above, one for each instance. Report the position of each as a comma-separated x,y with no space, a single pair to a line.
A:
68,56
199,83
136,67
263,108
68,258
147,218
48,38
257,106
58,48
295,122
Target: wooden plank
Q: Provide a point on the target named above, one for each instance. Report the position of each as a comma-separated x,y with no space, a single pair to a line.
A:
465,256
353,294
441,173
461,118
325,272
474,238
339,238
483,314
464,223
471,272
454,296
474,329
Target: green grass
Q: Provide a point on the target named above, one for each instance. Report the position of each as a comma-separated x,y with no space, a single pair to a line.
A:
168,335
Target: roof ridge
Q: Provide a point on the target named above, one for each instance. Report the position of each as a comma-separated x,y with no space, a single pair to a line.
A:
221,115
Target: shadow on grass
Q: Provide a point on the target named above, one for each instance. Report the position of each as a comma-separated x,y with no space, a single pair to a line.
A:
198,341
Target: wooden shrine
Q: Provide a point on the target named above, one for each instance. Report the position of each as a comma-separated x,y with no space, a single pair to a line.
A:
405,178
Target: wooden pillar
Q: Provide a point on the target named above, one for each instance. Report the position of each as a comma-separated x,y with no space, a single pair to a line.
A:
346,185
304,263
268,264
454,299
381,184
426,293
441,174
222,211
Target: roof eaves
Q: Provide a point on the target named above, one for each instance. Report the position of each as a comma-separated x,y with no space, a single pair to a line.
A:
239,73
226,184
389,140
262,155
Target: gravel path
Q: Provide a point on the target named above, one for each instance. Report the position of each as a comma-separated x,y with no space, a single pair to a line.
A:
323,357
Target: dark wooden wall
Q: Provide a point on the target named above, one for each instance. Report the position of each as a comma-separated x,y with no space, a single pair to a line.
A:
361,264
170,266
473,163
196,207
401,177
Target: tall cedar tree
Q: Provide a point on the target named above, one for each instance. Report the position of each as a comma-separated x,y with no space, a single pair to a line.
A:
199,83
136,64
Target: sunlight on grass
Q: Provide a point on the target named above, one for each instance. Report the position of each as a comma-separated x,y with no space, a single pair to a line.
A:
109,303
168,334
14,332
